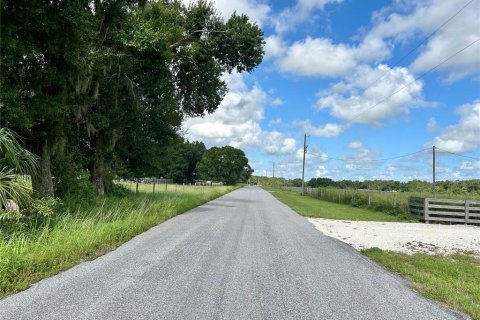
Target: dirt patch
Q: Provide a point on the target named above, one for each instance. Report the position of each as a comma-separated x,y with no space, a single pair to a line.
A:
403,237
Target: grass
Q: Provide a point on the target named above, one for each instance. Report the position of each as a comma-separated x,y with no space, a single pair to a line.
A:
315,208
71,237
453,279
388,202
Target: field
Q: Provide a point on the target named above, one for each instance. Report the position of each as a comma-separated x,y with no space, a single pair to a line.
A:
389,202
316,208
78,232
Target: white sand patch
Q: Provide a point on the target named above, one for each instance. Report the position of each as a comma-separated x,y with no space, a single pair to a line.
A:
403,237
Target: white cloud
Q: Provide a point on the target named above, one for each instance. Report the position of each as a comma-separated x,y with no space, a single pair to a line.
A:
363,99
328,130
258,11
321,57
465,135
420,19
276,143
355,145
274,47
276,102
317,57
431,125
321,171
237,121
401,23
275,122
301,12
470,165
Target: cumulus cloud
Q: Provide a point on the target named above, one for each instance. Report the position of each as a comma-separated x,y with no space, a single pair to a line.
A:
274,47
321,171
275,122
276,143
395,25
463,136
364,99
237,121
322,57
258,11
328,130
470,165
420,19
276,102
317,57
301,12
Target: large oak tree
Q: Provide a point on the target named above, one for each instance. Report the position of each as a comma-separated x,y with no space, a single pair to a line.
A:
102,86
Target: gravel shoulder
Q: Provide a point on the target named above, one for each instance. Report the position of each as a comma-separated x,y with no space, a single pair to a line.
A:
403,237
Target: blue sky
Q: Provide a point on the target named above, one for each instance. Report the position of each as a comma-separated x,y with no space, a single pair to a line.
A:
341,72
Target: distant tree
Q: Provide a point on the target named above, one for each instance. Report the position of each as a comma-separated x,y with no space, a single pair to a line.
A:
320,182
182,159
297,182
226,164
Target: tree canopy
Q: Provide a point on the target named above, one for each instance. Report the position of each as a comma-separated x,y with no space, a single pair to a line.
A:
228,165
102,87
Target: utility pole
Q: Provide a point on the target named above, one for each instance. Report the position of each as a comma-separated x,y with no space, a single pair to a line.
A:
433,168
303,167
266,173
273,174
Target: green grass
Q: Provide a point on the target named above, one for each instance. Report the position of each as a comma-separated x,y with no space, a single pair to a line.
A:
315,208
71,237
388,202
453,279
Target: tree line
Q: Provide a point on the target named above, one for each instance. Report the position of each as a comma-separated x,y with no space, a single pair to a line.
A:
99,89
458,187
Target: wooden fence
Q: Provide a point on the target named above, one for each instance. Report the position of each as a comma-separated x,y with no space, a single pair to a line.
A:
445,210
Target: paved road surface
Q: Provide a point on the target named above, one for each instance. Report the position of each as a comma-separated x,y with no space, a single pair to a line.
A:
242,256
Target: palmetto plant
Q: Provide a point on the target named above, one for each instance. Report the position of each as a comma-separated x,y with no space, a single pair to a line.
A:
14,161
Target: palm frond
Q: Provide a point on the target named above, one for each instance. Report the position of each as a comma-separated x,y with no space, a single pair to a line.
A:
13,156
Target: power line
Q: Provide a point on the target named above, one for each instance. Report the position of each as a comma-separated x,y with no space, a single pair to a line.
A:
457,154
372,160
421,42
417,78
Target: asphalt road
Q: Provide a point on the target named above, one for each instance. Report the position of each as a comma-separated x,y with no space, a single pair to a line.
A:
242,256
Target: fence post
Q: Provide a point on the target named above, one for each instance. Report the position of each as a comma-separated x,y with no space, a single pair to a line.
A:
369,199
166,185
425,210
394,200
136,188
175,187
467,211
154,180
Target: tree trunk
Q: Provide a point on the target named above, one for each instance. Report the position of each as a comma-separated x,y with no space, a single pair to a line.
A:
99,167
42,182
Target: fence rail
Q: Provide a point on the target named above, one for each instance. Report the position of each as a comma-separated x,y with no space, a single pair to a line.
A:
445,210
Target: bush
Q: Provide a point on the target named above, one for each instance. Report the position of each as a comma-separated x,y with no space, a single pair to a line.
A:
118,190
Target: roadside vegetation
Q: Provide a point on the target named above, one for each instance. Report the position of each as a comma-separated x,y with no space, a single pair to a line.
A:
315,208
452,279
58,234
390,197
